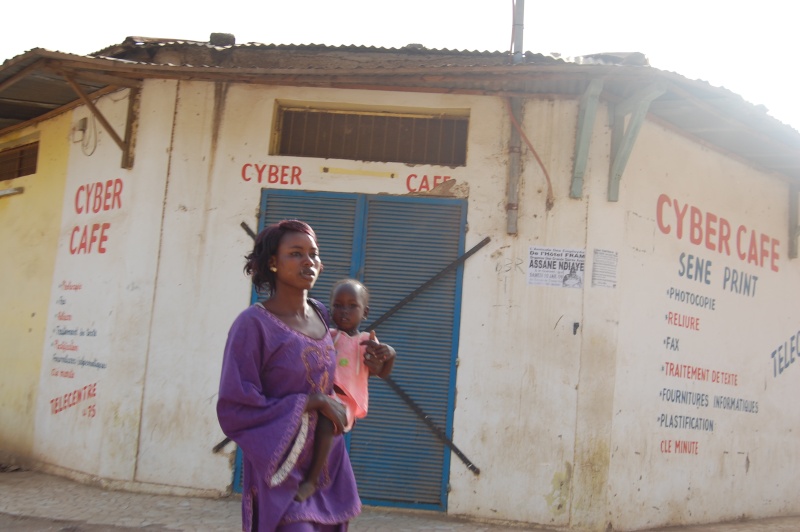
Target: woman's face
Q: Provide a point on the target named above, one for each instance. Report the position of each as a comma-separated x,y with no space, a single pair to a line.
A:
297,261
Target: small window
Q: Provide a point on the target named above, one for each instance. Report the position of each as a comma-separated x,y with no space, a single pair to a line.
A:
18,161
372,136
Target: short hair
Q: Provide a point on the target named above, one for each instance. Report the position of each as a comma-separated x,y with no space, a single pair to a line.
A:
356,283
266,246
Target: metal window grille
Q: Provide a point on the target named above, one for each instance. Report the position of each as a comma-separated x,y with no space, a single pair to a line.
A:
378,137
18,161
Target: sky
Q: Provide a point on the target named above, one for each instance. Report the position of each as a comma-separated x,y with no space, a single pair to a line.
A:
746,47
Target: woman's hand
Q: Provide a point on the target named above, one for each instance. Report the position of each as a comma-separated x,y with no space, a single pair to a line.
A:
330,408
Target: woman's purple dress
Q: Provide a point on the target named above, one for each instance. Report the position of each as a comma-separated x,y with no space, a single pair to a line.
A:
268,372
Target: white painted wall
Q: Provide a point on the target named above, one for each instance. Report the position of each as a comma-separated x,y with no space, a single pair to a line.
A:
197,293
102,292
561,420
519,359
201,287
745,466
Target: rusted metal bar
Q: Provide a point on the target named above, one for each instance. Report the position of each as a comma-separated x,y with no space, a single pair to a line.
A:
455,264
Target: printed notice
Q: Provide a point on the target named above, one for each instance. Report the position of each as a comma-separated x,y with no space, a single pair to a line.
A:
556,267
604,268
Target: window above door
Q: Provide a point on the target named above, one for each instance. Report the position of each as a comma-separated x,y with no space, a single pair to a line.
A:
367,134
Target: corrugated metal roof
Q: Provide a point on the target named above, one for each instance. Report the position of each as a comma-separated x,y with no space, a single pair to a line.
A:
302,56
33,85
131,43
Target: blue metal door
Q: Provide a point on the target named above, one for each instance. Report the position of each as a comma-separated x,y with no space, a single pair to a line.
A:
394,244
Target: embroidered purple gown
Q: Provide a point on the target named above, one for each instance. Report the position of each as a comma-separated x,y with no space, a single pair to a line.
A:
268,372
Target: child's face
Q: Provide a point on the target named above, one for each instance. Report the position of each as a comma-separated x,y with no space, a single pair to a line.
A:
348,308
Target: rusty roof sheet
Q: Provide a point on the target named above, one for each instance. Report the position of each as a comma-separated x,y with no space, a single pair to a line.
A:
132,43
302,56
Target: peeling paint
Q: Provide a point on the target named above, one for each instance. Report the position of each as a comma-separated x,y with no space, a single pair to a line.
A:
450,188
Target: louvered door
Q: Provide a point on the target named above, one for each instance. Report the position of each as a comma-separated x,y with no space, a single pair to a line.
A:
394,244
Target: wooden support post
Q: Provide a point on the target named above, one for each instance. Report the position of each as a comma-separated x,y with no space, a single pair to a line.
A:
583,139
623,136
130,126
95,111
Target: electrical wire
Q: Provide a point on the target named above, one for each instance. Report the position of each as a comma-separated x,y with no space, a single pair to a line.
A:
123,94
89,136
550,198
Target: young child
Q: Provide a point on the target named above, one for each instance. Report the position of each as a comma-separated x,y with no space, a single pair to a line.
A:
358,355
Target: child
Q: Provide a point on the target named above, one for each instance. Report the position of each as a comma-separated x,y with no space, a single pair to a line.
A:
358,355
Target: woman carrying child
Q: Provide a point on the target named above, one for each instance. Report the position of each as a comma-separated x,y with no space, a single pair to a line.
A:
276,385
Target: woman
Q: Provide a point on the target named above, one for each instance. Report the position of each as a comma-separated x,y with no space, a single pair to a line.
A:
277,379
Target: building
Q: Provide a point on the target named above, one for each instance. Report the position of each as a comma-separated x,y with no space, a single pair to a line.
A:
616,350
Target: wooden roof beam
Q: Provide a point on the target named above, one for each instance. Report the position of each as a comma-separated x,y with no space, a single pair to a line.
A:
23,103
623,136
587,112
124,145
20,75
105,79
57,111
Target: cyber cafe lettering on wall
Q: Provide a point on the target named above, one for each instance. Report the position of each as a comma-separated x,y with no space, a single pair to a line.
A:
717,234
286,175
93,199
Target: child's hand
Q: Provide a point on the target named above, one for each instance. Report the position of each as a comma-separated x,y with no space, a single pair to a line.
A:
379,357
377,351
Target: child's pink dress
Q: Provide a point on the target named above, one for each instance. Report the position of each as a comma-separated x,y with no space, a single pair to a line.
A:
351,374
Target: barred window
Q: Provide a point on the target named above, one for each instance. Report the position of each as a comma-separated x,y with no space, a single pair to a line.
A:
18,161
372,136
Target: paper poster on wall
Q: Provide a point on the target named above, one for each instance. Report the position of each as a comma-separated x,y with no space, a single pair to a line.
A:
561,267
604,268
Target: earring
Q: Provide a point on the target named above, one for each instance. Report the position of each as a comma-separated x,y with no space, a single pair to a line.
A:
273,269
